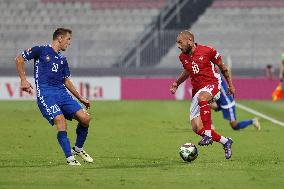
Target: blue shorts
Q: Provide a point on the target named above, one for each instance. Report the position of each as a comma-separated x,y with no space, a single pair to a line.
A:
229,114
55,102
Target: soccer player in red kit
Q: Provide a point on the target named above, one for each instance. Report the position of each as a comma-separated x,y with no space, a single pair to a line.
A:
199,63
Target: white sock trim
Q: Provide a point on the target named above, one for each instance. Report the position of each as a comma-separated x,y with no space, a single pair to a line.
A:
70,158
223,140
78,149
207,133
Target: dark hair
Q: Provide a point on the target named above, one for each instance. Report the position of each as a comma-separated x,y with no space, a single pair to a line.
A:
61,31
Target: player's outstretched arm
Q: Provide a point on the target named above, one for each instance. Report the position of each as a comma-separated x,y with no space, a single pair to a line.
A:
225,71
182,77
20,65
70,86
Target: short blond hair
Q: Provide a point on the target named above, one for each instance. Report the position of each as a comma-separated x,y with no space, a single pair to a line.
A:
187,34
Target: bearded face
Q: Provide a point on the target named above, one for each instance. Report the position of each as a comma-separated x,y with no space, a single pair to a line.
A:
184,44
186,49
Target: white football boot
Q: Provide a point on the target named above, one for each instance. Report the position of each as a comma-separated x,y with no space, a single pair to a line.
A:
256,123
86,157
72,161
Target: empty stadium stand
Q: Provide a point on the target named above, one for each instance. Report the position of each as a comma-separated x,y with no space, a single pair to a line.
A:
107,33
102,29
249,32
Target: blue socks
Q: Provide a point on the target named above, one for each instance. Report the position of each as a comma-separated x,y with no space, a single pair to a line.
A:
82,133
243,124
64,143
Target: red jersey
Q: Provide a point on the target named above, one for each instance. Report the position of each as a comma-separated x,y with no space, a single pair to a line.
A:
201,67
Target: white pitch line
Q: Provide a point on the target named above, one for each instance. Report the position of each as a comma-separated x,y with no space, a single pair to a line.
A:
260,114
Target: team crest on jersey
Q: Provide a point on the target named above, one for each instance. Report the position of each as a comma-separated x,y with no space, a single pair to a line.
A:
47,58
201,58
29,50
61,62
186,61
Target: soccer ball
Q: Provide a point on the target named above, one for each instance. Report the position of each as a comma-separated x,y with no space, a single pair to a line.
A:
188,152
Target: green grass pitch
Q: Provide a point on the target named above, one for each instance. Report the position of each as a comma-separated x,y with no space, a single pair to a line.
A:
135,145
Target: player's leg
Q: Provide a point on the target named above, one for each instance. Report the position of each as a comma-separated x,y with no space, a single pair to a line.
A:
63,140
195,111
52,112
244,124
83,118
198,128
204,99
230,114
73,110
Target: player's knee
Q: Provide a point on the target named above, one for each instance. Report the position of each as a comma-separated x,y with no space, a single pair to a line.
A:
202,98
60,123
234,125
61,128
59,119
86,119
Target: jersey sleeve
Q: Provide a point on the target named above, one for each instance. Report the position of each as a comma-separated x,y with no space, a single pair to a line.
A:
66,71
215,57
32,53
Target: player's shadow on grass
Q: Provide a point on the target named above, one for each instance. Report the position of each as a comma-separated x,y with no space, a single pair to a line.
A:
32,166
133,162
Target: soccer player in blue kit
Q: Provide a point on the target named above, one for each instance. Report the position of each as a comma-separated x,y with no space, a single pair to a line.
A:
226,104
52,79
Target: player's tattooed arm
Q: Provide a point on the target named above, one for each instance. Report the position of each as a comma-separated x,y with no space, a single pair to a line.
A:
226,73
183,76
70,86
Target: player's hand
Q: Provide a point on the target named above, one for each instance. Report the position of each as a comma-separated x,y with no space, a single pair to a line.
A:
26,86
86,102
174,87
231,91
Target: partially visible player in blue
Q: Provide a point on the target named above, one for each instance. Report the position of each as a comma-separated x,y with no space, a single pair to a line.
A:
52,79
226,104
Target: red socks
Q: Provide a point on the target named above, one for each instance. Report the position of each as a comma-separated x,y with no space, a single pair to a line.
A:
215,136
205,114
200,132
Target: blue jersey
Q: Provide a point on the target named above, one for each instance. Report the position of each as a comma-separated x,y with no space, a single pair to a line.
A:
50,70
50,67
225,101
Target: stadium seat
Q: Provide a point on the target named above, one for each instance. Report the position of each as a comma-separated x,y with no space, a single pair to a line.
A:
249,31
117,22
